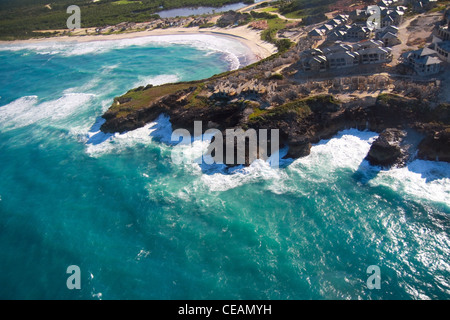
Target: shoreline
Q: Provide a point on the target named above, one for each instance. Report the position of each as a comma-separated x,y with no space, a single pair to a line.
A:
248,37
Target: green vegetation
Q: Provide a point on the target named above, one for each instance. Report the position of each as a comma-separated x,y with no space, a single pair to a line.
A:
438,8
407,105
310,11
138,98
270,34
276,76
257,112
297,109
126,2
19,18
269,9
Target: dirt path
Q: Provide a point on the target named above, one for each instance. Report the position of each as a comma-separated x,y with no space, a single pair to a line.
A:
414,33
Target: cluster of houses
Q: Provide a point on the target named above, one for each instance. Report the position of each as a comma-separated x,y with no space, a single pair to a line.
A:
344,55
333,25
424,61
429,60
339,29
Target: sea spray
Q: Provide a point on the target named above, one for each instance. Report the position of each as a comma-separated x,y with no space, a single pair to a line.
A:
141,227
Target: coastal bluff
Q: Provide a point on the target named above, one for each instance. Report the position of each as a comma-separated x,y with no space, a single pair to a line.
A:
301,122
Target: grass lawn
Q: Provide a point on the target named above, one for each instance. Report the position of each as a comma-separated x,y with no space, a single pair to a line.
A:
268,9
126,2
295,15
274,26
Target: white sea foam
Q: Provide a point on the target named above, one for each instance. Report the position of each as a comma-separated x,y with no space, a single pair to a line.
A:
99,143
26,110
347,150
420,179
156,80
236,53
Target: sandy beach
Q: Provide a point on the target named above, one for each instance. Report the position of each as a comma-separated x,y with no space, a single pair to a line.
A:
247,36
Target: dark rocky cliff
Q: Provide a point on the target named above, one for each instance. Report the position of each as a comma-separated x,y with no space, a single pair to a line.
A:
303,122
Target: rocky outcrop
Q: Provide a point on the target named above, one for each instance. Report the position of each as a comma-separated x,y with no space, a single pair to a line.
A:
303,122
387,149
435,146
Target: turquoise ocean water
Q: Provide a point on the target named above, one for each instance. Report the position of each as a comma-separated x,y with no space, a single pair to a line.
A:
141,227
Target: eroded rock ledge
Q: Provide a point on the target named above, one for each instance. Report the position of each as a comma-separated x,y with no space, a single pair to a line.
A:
388,149
301,122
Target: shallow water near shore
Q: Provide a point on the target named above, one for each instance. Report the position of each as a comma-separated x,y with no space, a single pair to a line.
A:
141,227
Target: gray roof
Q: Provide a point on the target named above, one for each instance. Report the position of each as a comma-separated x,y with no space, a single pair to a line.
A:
315,32
429,60
373,50
424,52
388,35
337,55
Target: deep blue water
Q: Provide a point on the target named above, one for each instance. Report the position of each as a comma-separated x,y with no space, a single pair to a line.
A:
141,227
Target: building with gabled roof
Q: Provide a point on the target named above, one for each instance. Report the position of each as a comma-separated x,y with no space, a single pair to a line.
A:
389,39
342,59
358,33
316,34
424,61
443,50
375,55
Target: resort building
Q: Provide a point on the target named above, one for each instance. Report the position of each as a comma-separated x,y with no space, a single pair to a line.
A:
339,47
342,59
441,39
316,34
358,33
388,36
313,60
367,44
444,32
427,65
424,61
443,50
343,56
389,39
338,34
375,55
333,25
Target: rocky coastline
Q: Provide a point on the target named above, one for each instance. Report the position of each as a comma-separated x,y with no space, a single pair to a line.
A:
307,121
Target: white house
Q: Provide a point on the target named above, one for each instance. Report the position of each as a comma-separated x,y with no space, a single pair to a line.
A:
342,59
443,50
358,33
424,61
389,39
427,65
375,55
